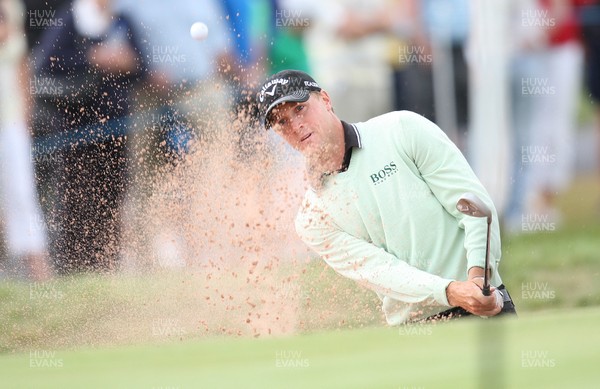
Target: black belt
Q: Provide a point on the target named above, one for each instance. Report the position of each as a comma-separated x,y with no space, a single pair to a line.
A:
456,312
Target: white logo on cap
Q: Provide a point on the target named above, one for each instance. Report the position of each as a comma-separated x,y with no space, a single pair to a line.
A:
272,83
272,92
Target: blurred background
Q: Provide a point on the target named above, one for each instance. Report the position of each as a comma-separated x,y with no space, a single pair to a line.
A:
128,147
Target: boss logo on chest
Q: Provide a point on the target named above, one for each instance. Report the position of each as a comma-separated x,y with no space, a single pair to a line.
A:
383,174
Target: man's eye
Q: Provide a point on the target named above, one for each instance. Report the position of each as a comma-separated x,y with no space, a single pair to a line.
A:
282,122
299,107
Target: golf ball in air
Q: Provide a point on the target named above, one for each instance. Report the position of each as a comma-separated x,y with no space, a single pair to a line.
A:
199,31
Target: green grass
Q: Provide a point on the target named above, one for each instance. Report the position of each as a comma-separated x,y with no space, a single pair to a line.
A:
563,263
558,349
562,266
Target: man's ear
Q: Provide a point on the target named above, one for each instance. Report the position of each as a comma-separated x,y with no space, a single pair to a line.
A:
326,99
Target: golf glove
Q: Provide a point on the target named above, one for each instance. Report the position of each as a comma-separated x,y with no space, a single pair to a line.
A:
499,298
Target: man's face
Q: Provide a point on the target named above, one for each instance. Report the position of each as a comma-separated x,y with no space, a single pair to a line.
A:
305,126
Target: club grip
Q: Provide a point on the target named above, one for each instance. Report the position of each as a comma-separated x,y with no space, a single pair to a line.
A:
486,290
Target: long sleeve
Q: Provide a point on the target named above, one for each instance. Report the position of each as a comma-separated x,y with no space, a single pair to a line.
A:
369,265
448,175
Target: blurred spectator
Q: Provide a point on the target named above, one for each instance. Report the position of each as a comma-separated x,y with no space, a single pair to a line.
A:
84,72
25,230
430,74
528,43
555,89
489,92
410,59
349,47
589,19
268,36
247,54
347,51
447,29
41,15
189,81
287,50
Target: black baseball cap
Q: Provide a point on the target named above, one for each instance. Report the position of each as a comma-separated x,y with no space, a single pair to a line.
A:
283,87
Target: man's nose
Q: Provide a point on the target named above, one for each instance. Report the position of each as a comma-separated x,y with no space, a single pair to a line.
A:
297,124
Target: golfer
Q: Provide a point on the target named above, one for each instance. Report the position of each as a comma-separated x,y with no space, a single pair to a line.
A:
381,208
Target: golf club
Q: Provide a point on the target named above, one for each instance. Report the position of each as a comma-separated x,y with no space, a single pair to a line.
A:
470,204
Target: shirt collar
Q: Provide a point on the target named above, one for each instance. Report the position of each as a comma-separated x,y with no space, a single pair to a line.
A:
351,139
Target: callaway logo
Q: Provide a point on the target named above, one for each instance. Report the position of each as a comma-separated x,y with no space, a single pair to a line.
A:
272,92
272,83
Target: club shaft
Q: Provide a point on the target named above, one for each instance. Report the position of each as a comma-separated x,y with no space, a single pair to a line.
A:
486,280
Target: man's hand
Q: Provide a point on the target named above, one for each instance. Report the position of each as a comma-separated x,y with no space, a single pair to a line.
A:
467,294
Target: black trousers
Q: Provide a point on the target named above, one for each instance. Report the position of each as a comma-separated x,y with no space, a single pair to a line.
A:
84,216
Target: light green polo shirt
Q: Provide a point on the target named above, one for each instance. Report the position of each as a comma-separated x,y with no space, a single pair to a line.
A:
390,222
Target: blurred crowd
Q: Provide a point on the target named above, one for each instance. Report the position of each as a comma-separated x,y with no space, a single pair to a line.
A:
79,79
